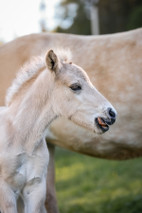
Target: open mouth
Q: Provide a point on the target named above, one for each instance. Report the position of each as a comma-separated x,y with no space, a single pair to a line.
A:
102,124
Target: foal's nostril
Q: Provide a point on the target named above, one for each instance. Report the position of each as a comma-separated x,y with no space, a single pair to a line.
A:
111,113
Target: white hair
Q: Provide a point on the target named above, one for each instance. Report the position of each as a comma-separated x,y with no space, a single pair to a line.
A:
30,70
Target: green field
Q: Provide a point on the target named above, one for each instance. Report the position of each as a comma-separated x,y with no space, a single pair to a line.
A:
90,185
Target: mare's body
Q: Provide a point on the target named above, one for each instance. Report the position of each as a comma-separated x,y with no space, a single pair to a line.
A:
114,65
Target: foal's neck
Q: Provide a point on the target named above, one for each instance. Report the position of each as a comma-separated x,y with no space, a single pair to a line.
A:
33,112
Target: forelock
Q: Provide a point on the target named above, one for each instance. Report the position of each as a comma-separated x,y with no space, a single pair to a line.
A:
64,55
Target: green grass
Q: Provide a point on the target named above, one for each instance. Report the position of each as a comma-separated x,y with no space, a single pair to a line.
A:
91,185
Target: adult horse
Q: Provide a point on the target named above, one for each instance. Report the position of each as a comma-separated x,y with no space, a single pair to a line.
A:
114,65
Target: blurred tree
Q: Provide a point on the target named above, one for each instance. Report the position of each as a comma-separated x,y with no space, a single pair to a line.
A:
42,22
114,16
74,18
135,18
118,15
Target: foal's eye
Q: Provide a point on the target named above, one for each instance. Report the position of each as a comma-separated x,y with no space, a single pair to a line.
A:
75,87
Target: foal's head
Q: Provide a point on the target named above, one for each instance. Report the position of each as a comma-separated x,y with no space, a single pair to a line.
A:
75,98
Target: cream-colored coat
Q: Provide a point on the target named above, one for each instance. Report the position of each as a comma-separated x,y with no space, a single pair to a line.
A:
42,92
114,64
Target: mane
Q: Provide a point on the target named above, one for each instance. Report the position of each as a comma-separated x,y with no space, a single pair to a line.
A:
30,70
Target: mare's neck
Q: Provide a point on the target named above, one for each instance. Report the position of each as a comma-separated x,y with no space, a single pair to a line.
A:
32,113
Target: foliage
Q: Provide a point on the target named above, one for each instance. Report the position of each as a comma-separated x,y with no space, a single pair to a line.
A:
135,19
80,24
114,16
117,15
90,185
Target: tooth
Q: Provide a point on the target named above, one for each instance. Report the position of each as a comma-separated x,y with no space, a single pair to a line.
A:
101,122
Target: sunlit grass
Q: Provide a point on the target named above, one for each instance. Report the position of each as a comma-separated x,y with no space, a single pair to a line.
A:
91,185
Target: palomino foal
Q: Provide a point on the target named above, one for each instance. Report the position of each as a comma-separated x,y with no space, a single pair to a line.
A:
41,93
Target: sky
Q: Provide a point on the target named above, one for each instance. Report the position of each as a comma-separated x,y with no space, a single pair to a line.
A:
21,17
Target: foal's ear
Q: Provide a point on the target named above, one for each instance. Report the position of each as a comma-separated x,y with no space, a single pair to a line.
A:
52,60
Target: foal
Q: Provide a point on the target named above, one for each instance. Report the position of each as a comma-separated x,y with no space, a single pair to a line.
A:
41,93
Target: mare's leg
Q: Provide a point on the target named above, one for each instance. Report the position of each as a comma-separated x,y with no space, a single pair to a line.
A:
34,196
7,199
51,201
20,205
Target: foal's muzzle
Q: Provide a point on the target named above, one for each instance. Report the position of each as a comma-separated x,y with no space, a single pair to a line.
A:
104,122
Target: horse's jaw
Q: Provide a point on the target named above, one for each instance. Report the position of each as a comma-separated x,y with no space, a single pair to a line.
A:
65,133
